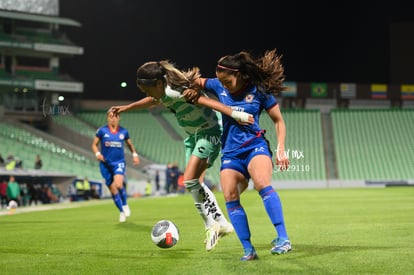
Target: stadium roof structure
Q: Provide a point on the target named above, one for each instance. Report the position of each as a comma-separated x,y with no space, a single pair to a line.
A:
39,18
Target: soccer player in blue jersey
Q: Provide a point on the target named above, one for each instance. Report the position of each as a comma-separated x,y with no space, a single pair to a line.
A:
249,85
163,84
111,156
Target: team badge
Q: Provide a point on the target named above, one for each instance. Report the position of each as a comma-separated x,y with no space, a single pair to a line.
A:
121,136
249,98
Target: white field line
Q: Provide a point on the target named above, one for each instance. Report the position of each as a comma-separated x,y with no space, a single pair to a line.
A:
53,206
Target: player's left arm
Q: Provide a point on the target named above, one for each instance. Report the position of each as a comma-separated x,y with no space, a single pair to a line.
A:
280,127
135,156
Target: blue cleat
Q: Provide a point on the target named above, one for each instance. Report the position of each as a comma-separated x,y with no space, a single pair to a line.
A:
281,246
249,255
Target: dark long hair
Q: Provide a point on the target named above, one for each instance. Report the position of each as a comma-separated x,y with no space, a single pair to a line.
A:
266,72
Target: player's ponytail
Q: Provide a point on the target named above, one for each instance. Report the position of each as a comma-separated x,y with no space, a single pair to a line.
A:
265,72
179,79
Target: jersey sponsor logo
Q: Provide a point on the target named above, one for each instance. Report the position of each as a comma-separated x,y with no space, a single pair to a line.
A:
226,161
237,108
223,93
115,144
106,136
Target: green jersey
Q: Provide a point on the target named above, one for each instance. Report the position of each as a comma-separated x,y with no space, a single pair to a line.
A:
13,190
194,119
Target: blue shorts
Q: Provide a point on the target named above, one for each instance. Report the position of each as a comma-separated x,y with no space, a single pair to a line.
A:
239,159
108,170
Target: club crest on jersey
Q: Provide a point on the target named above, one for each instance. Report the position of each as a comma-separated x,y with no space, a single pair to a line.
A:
121,136
249,98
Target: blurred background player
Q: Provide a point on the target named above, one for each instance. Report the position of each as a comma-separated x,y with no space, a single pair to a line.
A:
163,84
157,182
38,162
13,191
111,138
3,193
83,189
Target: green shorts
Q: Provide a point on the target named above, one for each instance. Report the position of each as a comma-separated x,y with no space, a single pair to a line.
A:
203,146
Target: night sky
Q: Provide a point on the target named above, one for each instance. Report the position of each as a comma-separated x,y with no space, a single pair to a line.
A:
320,41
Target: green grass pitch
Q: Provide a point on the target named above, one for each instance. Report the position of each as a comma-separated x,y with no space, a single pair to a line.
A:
333,231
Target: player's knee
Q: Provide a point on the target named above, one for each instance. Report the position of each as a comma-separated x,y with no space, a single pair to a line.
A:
231,195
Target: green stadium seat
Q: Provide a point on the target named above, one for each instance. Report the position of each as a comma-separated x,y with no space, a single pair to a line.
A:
374,144
26,146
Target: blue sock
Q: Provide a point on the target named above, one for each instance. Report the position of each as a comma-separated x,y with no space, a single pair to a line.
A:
118,201
123,194
273,207
240,223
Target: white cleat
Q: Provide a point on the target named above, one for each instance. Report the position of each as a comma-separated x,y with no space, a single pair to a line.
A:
122,217
212,236
226,229
127,211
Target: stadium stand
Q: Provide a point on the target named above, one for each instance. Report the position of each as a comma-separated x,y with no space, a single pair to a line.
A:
363,144
155,143
304,144
31,46
26,145
76,125
316,142
374,144
172,120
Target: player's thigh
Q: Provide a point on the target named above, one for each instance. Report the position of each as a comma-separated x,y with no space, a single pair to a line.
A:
195,168
118,181
189,145
229,181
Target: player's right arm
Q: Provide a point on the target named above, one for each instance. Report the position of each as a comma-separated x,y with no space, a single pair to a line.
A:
95,149
241,117
194,96
144,103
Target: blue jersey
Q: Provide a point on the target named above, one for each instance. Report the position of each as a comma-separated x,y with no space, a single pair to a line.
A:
249,100
112,143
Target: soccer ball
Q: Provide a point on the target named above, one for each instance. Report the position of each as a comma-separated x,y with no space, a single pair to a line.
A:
165,234
12,204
